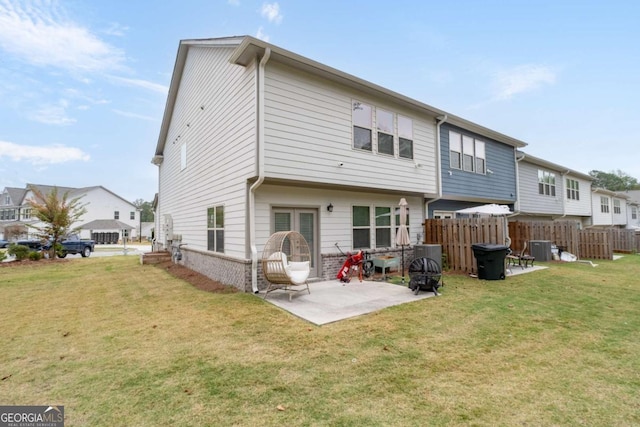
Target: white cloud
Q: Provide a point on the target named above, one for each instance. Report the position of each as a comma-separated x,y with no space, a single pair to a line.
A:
41,155
523,78
261,35
53,114
134,115
271,11
116,29
141,83
40,34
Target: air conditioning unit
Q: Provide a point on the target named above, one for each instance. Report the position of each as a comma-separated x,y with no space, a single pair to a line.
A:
540,249
429,251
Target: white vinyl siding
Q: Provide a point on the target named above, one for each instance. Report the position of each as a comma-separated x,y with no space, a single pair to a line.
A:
215,117
581,204
309,126
333,223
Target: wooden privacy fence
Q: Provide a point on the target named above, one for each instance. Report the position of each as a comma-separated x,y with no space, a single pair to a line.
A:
458,235
561,233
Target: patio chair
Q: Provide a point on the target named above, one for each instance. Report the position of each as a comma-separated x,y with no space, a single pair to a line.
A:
523,258
286,263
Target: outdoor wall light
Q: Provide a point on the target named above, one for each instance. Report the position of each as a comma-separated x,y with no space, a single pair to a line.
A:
489,171
330,207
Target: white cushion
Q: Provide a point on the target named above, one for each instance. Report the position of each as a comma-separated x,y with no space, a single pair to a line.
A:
298,272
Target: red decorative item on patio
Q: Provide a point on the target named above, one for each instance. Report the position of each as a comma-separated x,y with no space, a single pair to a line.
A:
353,263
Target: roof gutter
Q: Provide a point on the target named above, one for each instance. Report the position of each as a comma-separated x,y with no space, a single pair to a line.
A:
255,185
439,121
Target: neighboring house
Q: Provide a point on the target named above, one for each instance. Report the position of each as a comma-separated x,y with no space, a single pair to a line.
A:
10,201
478,166
106,211
547,191
256,139
609,208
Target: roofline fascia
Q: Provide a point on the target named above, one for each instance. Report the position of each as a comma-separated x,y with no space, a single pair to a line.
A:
563,169
178,69
250,44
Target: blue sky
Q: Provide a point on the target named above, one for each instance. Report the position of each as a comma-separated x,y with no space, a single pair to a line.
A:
83,83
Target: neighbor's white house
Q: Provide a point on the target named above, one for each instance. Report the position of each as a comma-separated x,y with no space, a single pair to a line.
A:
609,208
256,139
106,211
548,191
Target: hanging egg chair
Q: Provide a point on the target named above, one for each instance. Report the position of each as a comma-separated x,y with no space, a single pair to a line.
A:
286,262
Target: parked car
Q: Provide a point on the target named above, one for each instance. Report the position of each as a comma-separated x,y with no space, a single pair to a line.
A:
74,245
3,244
34,245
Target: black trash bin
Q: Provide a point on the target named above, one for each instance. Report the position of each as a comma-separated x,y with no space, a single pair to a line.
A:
490,260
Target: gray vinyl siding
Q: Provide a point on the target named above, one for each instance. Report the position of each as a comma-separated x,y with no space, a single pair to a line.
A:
498,186
220,140
530,200
308,132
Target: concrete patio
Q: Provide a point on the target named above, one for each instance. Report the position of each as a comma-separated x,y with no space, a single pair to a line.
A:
331,301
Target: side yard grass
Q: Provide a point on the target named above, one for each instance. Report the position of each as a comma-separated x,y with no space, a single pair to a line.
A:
118,343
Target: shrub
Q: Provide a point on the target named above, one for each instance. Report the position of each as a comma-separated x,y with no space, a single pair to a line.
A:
35,256
3,255
21,252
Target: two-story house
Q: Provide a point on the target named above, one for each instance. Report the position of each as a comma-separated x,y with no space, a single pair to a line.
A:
256,139
106,212
548,191
609,208
477,166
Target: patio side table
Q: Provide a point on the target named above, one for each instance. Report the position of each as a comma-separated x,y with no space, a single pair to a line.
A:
385,262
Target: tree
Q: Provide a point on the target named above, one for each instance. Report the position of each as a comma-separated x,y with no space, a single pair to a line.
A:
146,210
57,213
613,181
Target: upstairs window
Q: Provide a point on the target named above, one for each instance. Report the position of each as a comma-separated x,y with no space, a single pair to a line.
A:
481,162
384,124
116,215
132,215
405,137
573,189
361,116
604,204
546,183
26,213
215,229
7,200
634,213
455,150
616,206
467,153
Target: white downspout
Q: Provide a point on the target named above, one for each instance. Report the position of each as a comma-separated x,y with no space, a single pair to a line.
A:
255,185
516,210
439,121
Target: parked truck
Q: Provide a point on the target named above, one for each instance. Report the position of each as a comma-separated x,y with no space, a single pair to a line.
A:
74,245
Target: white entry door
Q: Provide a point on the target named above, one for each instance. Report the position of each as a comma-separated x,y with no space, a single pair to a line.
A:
305,222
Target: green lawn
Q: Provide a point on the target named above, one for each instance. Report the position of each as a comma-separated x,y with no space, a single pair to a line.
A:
120,344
